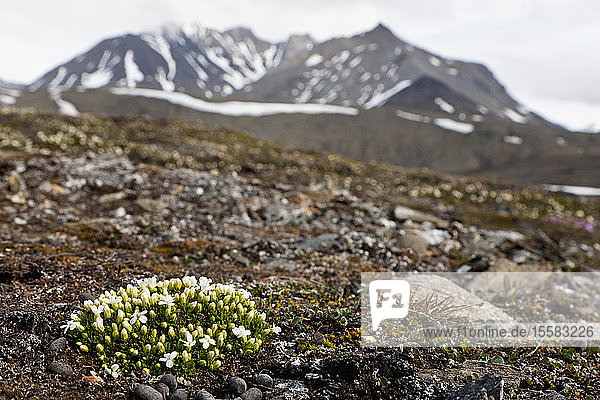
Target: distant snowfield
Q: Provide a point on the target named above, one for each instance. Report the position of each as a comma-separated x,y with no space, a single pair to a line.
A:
6,99
577,190
236,108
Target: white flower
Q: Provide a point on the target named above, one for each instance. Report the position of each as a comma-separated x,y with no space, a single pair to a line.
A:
99,323
168,359
112,298
70,325
207,341
276,329
204,283
241,331
189,341
189,280
244,293
112,370
167,299
97,310
137,315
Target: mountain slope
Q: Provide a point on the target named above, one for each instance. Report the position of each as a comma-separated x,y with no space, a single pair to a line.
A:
369,70
192,59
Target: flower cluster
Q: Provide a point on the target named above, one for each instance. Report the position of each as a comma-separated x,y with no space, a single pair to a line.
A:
176,324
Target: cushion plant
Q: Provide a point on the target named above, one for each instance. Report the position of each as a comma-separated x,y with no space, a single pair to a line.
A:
177,324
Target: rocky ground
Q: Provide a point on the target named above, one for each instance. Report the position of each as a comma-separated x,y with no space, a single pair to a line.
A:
93,203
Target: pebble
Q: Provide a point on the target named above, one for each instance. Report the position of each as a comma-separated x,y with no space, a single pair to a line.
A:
83,297
179,394
145,392
415,242
150,205
162,389
170,381
203,395
58,345
252,394
264,381
236,385
60,368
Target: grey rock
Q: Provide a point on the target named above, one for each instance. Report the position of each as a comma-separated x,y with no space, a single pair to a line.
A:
487,386
58,345
236,385
145,392
86,296
60,368
162,389
179,394
252,394
203,395
521,256
415,242
170,381
264,380
316,242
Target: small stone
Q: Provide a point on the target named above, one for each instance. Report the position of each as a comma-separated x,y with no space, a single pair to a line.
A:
415,242
53,188
150,205
107,198
316,242
203,395
162,389
60,368
83,297
252,394
145,392
170,381
58,345
179,394
20,221
265,381
120,212
236,385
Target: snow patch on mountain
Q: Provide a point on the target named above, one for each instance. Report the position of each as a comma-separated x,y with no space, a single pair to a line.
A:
235,108
513,139
133,75
103,73
576,190
64,106
380,98
313,60
514,116
6,99
444,105
413,117
452,125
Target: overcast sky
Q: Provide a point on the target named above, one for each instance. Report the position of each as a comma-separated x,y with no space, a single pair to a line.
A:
544,51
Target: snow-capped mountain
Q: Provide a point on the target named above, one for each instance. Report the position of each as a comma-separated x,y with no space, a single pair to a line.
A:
9,92
367,71
192,59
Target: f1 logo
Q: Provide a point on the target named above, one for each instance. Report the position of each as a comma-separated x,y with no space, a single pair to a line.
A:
389,300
